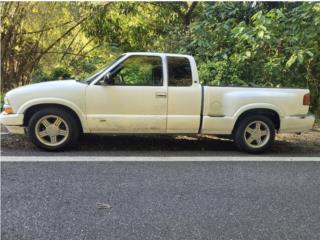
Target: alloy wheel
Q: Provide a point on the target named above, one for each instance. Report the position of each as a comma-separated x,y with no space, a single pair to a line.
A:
257,134
52,130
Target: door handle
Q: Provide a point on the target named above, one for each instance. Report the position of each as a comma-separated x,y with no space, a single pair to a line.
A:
161,94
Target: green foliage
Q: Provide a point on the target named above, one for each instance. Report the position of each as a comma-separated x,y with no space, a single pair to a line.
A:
243,51
269,44
56,74
60,73
235,44
40,76
138,71
136,74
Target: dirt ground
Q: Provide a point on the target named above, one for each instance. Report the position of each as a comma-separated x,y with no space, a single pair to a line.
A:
305,144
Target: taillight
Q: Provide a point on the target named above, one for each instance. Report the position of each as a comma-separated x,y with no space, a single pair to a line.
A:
306,99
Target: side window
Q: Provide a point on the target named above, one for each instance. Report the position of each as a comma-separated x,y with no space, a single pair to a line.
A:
179,71
139,71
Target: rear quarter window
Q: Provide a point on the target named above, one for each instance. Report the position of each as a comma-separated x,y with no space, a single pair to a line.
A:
180,74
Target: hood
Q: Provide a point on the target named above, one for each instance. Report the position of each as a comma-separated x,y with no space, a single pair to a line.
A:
71,91
45,86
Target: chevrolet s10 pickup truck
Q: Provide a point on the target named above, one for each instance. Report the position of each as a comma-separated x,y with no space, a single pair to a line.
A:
153,93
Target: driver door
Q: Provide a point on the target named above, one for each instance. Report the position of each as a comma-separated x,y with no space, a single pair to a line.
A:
134,100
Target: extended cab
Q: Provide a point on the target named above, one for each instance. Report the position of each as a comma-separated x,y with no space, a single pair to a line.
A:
153,93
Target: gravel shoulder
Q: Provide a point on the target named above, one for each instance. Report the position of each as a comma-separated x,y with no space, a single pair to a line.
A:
305,144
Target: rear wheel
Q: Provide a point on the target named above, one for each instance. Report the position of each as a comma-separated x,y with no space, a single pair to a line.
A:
254,134
53,129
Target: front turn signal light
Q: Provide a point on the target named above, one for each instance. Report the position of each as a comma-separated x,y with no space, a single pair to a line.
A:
7,109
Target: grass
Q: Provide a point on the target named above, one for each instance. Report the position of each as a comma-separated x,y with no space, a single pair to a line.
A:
1,101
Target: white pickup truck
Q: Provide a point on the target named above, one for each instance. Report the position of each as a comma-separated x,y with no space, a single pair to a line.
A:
153,93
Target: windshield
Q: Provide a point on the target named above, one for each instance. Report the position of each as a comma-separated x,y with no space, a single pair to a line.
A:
99,71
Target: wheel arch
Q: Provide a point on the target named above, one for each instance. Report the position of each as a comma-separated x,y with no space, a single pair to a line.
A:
28,113
273,115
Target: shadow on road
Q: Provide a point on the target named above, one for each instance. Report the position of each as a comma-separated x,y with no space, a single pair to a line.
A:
144,145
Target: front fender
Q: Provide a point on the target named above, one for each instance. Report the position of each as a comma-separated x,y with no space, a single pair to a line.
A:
59,101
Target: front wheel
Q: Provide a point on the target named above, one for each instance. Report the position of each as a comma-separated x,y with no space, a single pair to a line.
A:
254,134
53,129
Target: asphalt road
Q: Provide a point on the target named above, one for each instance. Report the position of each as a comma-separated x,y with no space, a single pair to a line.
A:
160,200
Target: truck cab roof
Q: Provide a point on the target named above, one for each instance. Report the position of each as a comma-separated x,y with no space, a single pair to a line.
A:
157,54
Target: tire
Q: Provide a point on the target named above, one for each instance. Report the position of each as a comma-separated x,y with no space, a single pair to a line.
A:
247,134
53,129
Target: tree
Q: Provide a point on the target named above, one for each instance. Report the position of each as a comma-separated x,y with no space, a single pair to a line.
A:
248,44
241,44
29,32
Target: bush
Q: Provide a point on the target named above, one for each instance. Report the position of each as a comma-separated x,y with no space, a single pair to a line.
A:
60,73
40,76
56,74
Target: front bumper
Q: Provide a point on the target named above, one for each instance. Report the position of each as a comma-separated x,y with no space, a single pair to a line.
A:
16,129
296,124
13,122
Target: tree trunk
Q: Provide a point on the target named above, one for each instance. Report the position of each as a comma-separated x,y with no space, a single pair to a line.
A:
317,113
188,14
314,86
20,55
